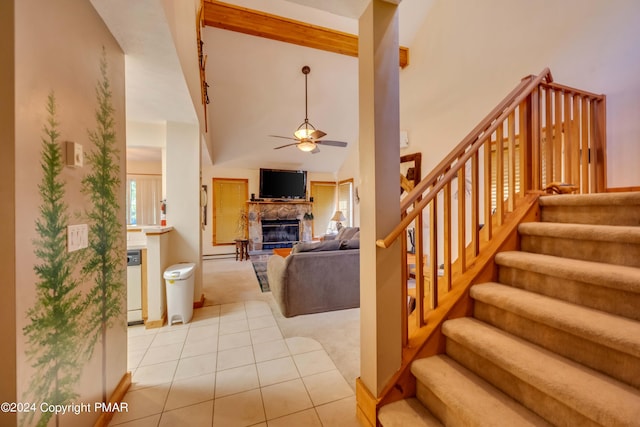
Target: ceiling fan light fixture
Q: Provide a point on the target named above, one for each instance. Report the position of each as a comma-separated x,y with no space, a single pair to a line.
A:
304,131
306,145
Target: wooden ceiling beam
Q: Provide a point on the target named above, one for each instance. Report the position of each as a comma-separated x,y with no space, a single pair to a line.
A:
234,18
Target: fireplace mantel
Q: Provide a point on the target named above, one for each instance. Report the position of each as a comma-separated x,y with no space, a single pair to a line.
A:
276,210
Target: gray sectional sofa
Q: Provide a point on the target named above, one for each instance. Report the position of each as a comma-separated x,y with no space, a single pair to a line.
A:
318,276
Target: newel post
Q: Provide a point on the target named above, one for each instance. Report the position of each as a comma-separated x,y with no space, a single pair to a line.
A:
379,148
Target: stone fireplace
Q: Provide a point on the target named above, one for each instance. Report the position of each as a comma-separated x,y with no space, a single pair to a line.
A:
278,224
280,233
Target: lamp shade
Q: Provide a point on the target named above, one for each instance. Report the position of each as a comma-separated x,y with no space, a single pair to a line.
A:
338,216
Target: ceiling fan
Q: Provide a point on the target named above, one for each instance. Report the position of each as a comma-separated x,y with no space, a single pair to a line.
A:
307,137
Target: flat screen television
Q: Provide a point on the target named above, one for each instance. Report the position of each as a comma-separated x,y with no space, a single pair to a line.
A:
283,184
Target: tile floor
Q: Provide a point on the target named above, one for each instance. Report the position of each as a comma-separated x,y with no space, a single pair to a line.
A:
230,366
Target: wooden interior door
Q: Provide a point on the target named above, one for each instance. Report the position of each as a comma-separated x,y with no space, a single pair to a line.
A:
229,210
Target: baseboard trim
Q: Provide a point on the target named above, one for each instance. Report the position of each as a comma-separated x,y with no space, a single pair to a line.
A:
622,189
366,409
116,397
156,323
200,303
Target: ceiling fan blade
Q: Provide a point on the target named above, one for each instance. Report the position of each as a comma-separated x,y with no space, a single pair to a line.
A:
284,137
315,150
317,134
332,143
283,146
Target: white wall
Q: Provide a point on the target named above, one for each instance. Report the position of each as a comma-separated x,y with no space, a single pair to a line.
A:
145,134
469,55
183,196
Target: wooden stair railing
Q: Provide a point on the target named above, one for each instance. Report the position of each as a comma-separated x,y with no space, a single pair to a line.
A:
540,133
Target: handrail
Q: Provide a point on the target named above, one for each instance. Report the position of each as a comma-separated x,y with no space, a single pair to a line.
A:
541,133
462,153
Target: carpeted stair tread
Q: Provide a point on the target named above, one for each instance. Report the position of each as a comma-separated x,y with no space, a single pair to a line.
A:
407,413
468,399
596,199
606,329
603,208
608,275
586,391
600,233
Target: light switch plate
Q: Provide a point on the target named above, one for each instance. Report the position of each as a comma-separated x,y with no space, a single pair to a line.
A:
77,237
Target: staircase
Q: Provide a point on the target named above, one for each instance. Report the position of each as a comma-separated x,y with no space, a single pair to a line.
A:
556,341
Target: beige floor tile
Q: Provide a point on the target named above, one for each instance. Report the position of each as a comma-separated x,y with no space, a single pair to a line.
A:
200,415
199,347
203,320
239,410
170,337
151,421
236,380
138,342
285,399
233,326
266,334
231,309
313,362
277,371
233,358
134,357
258,309
175,327
240,339
140,330
197,338
194,366
341,413
270,350
262,322
153,375
202,331
190,391
164,353
327,387
306,418
142,403
298,345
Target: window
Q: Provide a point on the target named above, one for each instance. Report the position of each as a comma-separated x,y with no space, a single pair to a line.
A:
144,193
345,200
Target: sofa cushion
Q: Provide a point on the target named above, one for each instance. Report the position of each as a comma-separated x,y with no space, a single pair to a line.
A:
326,245
350,244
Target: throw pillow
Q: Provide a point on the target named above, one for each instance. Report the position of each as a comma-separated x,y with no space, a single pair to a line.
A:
347,233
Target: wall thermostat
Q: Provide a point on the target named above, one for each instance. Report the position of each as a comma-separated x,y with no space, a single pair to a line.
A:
74,154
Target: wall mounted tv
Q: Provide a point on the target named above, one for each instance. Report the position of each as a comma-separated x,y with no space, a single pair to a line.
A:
283,184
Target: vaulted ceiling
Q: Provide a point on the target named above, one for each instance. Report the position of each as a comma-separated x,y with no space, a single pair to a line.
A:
256,84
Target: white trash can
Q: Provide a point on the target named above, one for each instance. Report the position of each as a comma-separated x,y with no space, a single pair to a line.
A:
179,283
